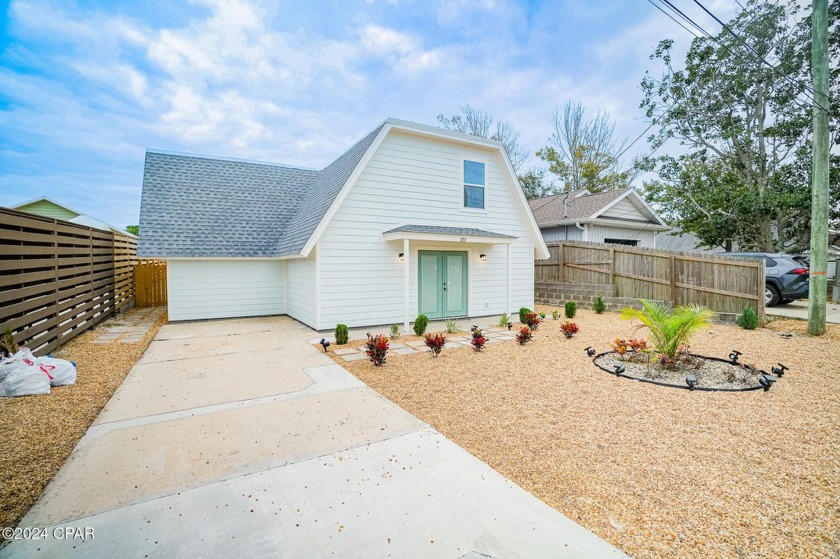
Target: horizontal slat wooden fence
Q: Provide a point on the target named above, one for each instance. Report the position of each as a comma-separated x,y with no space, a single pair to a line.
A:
150,278
57,279
722,283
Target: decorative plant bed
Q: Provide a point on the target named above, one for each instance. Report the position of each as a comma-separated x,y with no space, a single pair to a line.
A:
705,373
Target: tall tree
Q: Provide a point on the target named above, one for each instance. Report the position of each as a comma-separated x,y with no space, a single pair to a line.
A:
133,229
480,123
741,117
535,185
584,152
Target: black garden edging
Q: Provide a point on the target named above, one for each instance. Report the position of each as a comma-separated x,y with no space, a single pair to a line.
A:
684,387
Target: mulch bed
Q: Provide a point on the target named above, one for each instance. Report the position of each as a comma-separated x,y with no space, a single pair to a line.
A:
656,471
39,432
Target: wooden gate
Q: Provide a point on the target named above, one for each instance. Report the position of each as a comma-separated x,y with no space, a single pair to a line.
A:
150,283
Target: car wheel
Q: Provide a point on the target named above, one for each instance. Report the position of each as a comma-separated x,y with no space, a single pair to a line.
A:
771,296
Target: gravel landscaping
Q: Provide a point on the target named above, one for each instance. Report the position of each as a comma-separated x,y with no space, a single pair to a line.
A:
39,432
656,471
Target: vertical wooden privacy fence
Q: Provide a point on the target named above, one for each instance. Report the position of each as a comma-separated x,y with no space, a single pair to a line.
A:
150,277
57,279
724,284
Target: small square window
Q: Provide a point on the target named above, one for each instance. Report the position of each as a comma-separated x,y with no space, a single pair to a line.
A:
473,184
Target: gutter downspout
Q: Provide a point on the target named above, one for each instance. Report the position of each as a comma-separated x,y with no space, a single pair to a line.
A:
582,228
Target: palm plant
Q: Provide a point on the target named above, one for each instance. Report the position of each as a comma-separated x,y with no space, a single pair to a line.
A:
670,330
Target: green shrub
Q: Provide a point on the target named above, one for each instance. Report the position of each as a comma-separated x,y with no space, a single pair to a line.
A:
598,306
555,315
503,320
451,326
571,309
420,324
523,312
395,331
670,330
341,334
748,319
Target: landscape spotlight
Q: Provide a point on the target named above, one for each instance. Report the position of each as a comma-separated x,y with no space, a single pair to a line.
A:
691,380
474,328
510,325
325,344
733,357
589,351
766,381
619,369
778,371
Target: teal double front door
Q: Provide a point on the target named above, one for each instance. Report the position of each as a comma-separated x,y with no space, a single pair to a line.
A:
442,283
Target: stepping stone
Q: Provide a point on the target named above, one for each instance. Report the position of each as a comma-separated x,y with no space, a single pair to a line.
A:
345,351
396,346
501,338
453,345
459,339
405,351
416,344
354,357
492,341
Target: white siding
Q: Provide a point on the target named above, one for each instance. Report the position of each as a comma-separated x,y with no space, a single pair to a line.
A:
625,210
410,180
201,289
300,273
563,233
597,234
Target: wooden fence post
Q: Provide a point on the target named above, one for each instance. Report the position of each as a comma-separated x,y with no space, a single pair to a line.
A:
759,303
612,265
673,280
561,276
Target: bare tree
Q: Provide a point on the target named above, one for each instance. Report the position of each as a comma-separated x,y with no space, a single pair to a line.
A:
480,123
584,152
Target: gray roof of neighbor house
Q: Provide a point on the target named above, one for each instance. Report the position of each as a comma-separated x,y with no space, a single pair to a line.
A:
571,205
205,207
686,242
454,231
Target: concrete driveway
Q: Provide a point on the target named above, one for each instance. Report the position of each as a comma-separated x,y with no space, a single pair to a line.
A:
799,309
238,437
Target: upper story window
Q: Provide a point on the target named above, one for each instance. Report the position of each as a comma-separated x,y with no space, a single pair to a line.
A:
473,184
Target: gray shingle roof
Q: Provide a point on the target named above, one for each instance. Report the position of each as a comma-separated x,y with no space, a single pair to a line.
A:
455,231
199,206
204,207
552,209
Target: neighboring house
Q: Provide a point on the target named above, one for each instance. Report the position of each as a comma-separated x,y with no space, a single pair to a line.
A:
411,219
47,207
617,216
685,242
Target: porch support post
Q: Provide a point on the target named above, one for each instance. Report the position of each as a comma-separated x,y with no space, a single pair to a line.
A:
406,278
509,280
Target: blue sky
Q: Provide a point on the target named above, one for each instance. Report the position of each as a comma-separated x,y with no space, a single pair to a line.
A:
86,87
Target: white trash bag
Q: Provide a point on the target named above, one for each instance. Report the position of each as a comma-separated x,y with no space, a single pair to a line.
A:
60,371
9,364
25,378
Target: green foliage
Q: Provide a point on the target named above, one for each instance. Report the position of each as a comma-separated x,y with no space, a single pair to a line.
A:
743,177
395,331
341,334
748,319
133,229
555,315
451,326
503,320
598,305
8,343
670,330
523,313
420,324
570,309
534,184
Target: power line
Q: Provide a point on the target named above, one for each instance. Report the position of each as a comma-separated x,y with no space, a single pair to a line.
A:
693,34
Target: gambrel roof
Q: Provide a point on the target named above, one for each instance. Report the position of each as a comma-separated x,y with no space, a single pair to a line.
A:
204,207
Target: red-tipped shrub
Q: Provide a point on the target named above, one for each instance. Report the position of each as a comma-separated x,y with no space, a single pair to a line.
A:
435,343
478,340
377,349
524,335
532,319
569,329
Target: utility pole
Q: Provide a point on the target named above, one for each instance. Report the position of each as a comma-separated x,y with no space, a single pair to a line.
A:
819,170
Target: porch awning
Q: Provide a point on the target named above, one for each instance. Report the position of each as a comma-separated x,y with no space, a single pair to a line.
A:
446,234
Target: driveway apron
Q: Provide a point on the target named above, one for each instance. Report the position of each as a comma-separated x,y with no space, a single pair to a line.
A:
238,436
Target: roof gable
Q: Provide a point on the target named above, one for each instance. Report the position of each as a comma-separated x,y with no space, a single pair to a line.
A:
575,205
